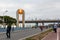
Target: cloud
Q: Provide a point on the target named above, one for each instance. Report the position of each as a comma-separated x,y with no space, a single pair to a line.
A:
4,5
41,8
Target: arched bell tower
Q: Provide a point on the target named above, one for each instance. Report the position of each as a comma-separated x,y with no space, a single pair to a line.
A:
20,12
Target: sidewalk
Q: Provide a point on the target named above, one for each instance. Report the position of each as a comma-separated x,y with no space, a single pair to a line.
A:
53,36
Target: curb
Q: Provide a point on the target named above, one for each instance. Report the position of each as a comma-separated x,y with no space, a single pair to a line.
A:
33,35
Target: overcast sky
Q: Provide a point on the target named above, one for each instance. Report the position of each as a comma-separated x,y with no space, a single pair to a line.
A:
42,9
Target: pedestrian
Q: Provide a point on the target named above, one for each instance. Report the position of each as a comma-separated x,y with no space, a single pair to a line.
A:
41,27
55,28
8,30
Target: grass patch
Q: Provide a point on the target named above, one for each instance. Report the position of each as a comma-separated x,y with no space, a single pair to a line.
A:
39,36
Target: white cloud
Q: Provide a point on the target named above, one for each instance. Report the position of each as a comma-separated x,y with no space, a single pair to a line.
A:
2,5
36,7
57,5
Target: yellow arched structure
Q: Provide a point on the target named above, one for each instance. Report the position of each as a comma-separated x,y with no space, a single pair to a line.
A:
20,11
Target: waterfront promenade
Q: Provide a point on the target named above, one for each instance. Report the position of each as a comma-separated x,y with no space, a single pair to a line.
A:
19,35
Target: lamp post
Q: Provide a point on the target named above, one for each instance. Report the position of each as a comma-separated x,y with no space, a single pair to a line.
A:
3,18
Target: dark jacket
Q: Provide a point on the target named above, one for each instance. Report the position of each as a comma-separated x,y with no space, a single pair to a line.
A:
8,28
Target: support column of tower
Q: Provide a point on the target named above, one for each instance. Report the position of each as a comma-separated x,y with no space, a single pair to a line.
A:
17,18
23,20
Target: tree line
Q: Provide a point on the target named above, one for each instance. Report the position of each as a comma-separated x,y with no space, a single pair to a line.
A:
7,20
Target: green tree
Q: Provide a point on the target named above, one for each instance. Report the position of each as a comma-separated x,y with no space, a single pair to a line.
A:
7,20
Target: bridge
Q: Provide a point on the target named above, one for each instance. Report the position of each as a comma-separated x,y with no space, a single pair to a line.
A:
41,21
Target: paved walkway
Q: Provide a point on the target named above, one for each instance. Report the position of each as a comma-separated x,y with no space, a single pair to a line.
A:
53,35
20,34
